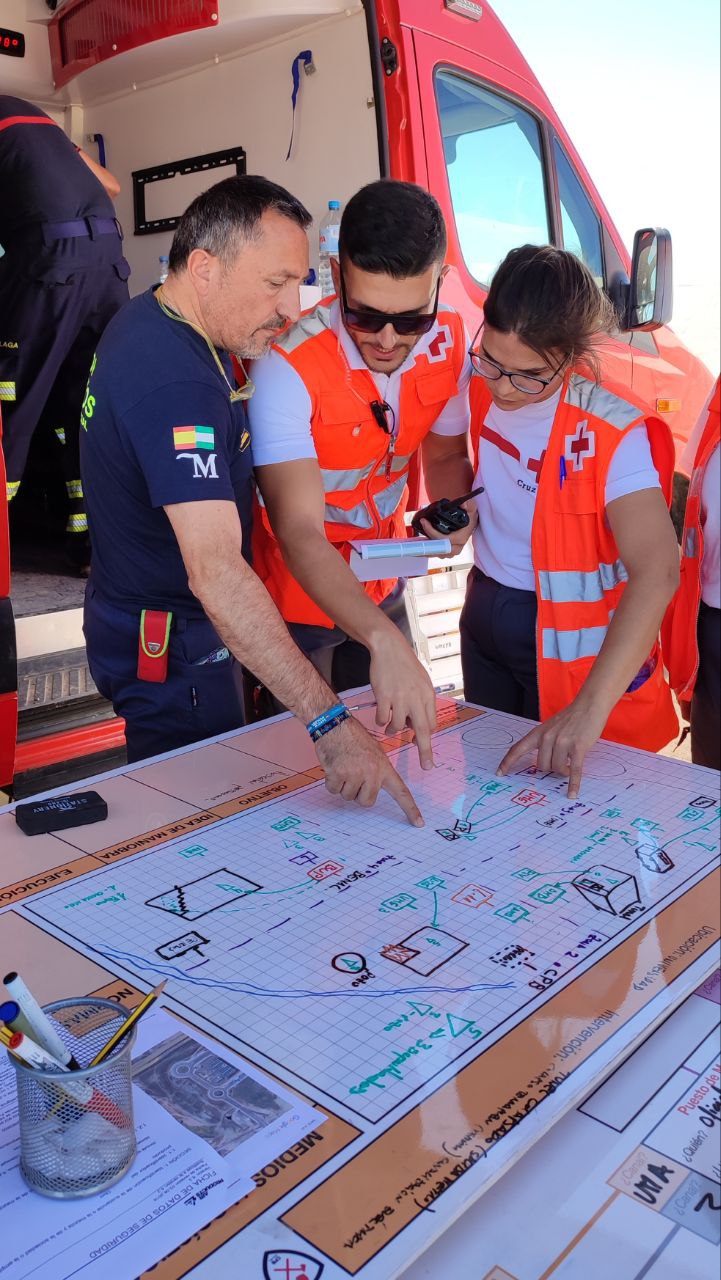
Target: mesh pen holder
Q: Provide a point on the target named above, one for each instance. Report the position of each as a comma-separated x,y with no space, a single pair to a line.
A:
77,1134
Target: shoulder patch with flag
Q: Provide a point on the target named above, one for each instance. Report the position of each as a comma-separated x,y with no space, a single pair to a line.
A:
193,438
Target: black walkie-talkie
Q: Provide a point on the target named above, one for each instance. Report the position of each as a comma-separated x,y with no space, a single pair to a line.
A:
447,515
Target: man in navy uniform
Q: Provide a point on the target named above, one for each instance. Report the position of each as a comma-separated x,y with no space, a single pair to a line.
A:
167,469
62,277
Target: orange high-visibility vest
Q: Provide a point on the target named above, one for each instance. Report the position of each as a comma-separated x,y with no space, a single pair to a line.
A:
579,575
679,628
364,471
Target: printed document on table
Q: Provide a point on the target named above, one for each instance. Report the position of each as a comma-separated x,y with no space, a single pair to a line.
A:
205,1124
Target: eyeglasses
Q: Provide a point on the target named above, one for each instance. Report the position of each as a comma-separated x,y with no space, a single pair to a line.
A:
404,323
492,371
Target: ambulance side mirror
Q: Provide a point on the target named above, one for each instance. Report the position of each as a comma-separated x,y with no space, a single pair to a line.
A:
649,302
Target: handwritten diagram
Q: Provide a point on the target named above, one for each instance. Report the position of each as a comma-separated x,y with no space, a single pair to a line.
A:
366,957
199,897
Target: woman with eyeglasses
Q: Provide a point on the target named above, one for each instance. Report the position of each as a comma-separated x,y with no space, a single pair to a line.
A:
575,556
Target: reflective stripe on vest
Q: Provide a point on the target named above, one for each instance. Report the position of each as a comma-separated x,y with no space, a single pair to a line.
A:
690,543
570,586
307,326
590,397
336,481
400,463
359,516
388,500
567,646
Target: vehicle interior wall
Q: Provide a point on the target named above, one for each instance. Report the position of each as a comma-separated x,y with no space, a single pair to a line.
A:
245,101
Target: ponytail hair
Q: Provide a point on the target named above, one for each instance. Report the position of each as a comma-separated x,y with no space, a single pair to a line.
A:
550,300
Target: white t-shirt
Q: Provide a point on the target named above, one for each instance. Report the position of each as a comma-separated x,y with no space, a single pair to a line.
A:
279,410
711,522
511,450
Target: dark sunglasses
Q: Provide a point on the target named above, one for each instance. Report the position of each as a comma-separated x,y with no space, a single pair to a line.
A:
404,323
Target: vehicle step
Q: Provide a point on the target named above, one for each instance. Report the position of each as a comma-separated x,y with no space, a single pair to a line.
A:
54,678
55,693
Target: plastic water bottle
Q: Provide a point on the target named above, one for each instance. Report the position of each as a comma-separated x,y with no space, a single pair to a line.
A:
328,233
164,268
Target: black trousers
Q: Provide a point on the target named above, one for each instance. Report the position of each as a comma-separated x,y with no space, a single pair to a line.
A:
706,702
498,647
55,301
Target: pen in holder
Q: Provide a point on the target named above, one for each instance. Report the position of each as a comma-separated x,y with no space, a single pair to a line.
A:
77,1134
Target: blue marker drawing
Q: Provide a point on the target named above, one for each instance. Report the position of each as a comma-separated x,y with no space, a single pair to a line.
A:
251,989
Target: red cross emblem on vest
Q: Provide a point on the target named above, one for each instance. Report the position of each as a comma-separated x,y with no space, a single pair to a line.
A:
440,344
580,446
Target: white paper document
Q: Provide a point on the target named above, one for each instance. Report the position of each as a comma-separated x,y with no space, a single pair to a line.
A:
205,1122
374,558
379,548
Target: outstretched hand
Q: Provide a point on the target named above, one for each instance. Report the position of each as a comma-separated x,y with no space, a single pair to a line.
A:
562,744
357,769
404,694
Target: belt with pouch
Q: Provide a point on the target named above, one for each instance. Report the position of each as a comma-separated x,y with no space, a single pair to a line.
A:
153,643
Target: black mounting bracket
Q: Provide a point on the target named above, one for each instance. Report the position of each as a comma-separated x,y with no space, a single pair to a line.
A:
176,168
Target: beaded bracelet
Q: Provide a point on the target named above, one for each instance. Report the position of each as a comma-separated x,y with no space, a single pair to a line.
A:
328,720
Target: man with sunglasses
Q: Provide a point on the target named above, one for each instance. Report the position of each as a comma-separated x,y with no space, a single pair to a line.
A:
346,398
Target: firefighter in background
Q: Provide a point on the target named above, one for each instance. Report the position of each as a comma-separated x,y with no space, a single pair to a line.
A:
692,631
62,277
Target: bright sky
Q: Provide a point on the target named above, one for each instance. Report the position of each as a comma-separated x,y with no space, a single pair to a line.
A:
636,85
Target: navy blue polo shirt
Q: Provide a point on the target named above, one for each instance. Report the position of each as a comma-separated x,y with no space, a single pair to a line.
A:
158,428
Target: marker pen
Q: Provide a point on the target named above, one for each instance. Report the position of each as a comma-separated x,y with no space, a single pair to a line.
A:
33,1055
12,1017
37,1024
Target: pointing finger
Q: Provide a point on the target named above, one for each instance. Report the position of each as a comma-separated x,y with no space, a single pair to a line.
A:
396,787
574,777
519,749
424,743
383,711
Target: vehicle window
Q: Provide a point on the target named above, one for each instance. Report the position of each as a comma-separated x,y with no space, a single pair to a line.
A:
495,170
581,227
